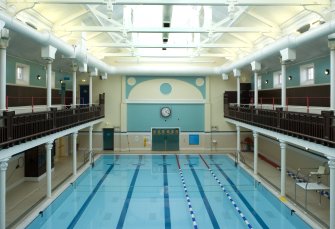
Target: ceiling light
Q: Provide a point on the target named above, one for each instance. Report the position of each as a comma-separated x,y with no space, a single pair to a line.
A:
327,72
266,81
38,77
83,80
290,78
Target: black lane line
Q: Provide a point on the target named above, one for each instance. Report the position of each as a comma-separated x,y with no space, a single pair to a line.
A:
129,194
204,198
166,196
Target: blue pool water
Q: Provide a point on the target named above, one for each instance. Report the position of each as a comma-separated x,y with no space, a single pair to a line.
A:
152,192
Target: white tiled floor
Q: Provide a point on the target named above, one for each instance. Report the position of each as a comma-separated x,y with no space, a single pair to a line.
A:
22,198
272,175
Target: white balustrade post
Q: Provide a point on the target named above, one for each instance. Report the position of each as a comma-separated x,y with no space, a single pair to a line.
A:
90,143
48,147
331,164
282,145
3,169
74,153
238,142
255,134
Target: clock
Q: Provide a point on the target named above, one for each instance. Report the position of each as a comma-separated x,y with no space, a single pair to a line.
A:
165,112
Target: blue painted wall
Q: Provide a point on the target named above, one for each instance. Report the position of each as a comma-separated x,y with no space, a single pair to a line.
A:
320,64
189,117
35,69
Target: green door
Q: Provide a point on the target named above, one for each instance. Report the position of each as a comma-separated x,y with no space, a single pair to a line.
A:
165,139
108,138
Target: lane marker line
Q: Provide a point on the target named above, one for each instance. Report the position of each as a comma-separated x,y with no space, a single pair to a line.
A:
228,195
195,225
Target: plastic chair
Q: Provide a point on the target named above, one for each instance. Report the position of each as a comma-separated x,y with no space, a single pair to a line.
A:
321,171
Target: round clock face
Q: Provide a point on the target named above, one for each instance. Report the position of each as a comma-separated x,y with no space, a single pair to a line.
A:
165,112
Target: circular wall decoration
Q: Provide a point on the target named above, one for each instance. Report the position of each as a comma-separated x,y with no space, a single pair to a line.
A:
165,88
131,81
199,82
165,112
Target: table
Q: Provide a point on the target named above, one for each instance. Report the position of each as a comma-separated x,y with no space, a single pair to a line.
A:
309,187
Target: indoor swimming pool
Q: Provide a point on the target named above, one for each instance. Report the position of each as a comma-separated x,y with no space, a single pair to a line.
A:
166,191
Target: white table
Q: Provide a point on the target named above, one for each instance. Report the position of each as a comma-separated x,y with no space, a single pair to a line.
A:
310,187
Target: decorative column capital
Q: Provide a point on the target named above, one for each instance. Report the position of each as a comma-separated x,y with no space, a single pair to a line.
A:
238,128
331,41
91,128
255,134
74,67
4,164
282,144
4,38
49,145
75,134
331,162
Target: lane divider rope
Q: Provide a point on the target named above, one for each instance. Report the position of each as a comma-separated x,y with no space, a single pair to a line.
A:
228,195
195,225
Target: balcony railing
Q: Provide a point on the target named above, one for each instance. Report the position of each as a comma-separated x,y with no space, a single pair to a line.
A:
319,128
15,129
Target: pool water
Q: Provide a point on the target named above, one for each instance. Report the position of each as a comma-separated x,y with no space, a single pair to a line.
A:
166,191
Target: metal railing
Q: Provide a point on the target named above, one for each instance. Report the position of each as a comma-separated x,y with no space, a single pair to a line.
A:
319,128
15,129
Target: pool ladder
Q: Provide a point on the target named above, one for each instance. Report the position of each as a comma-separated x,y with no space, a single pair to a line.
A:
92,159
242,159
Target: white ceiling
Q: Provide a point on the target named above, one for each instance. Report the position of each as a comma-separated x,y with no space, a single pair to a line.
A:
202,32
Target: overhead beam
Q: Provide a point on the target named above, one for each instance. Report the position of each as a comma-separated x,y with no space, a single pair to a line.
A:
185,2
213,55
166,30
129,45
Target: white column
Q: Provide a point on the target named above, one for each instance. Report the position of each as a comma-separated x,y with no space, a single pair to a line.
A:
3,169
332,80
90,90
238,91
90,146
331,164
74,84
3,51
3,79
48,53
282,167
48,147
74,153
238,142
255,134
283,84
255,67
49,74
255,89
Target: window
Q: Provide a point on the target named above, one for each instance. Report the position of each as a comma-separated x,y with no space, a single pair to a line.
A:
277,79
22,74
307,74
19,73
259,82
